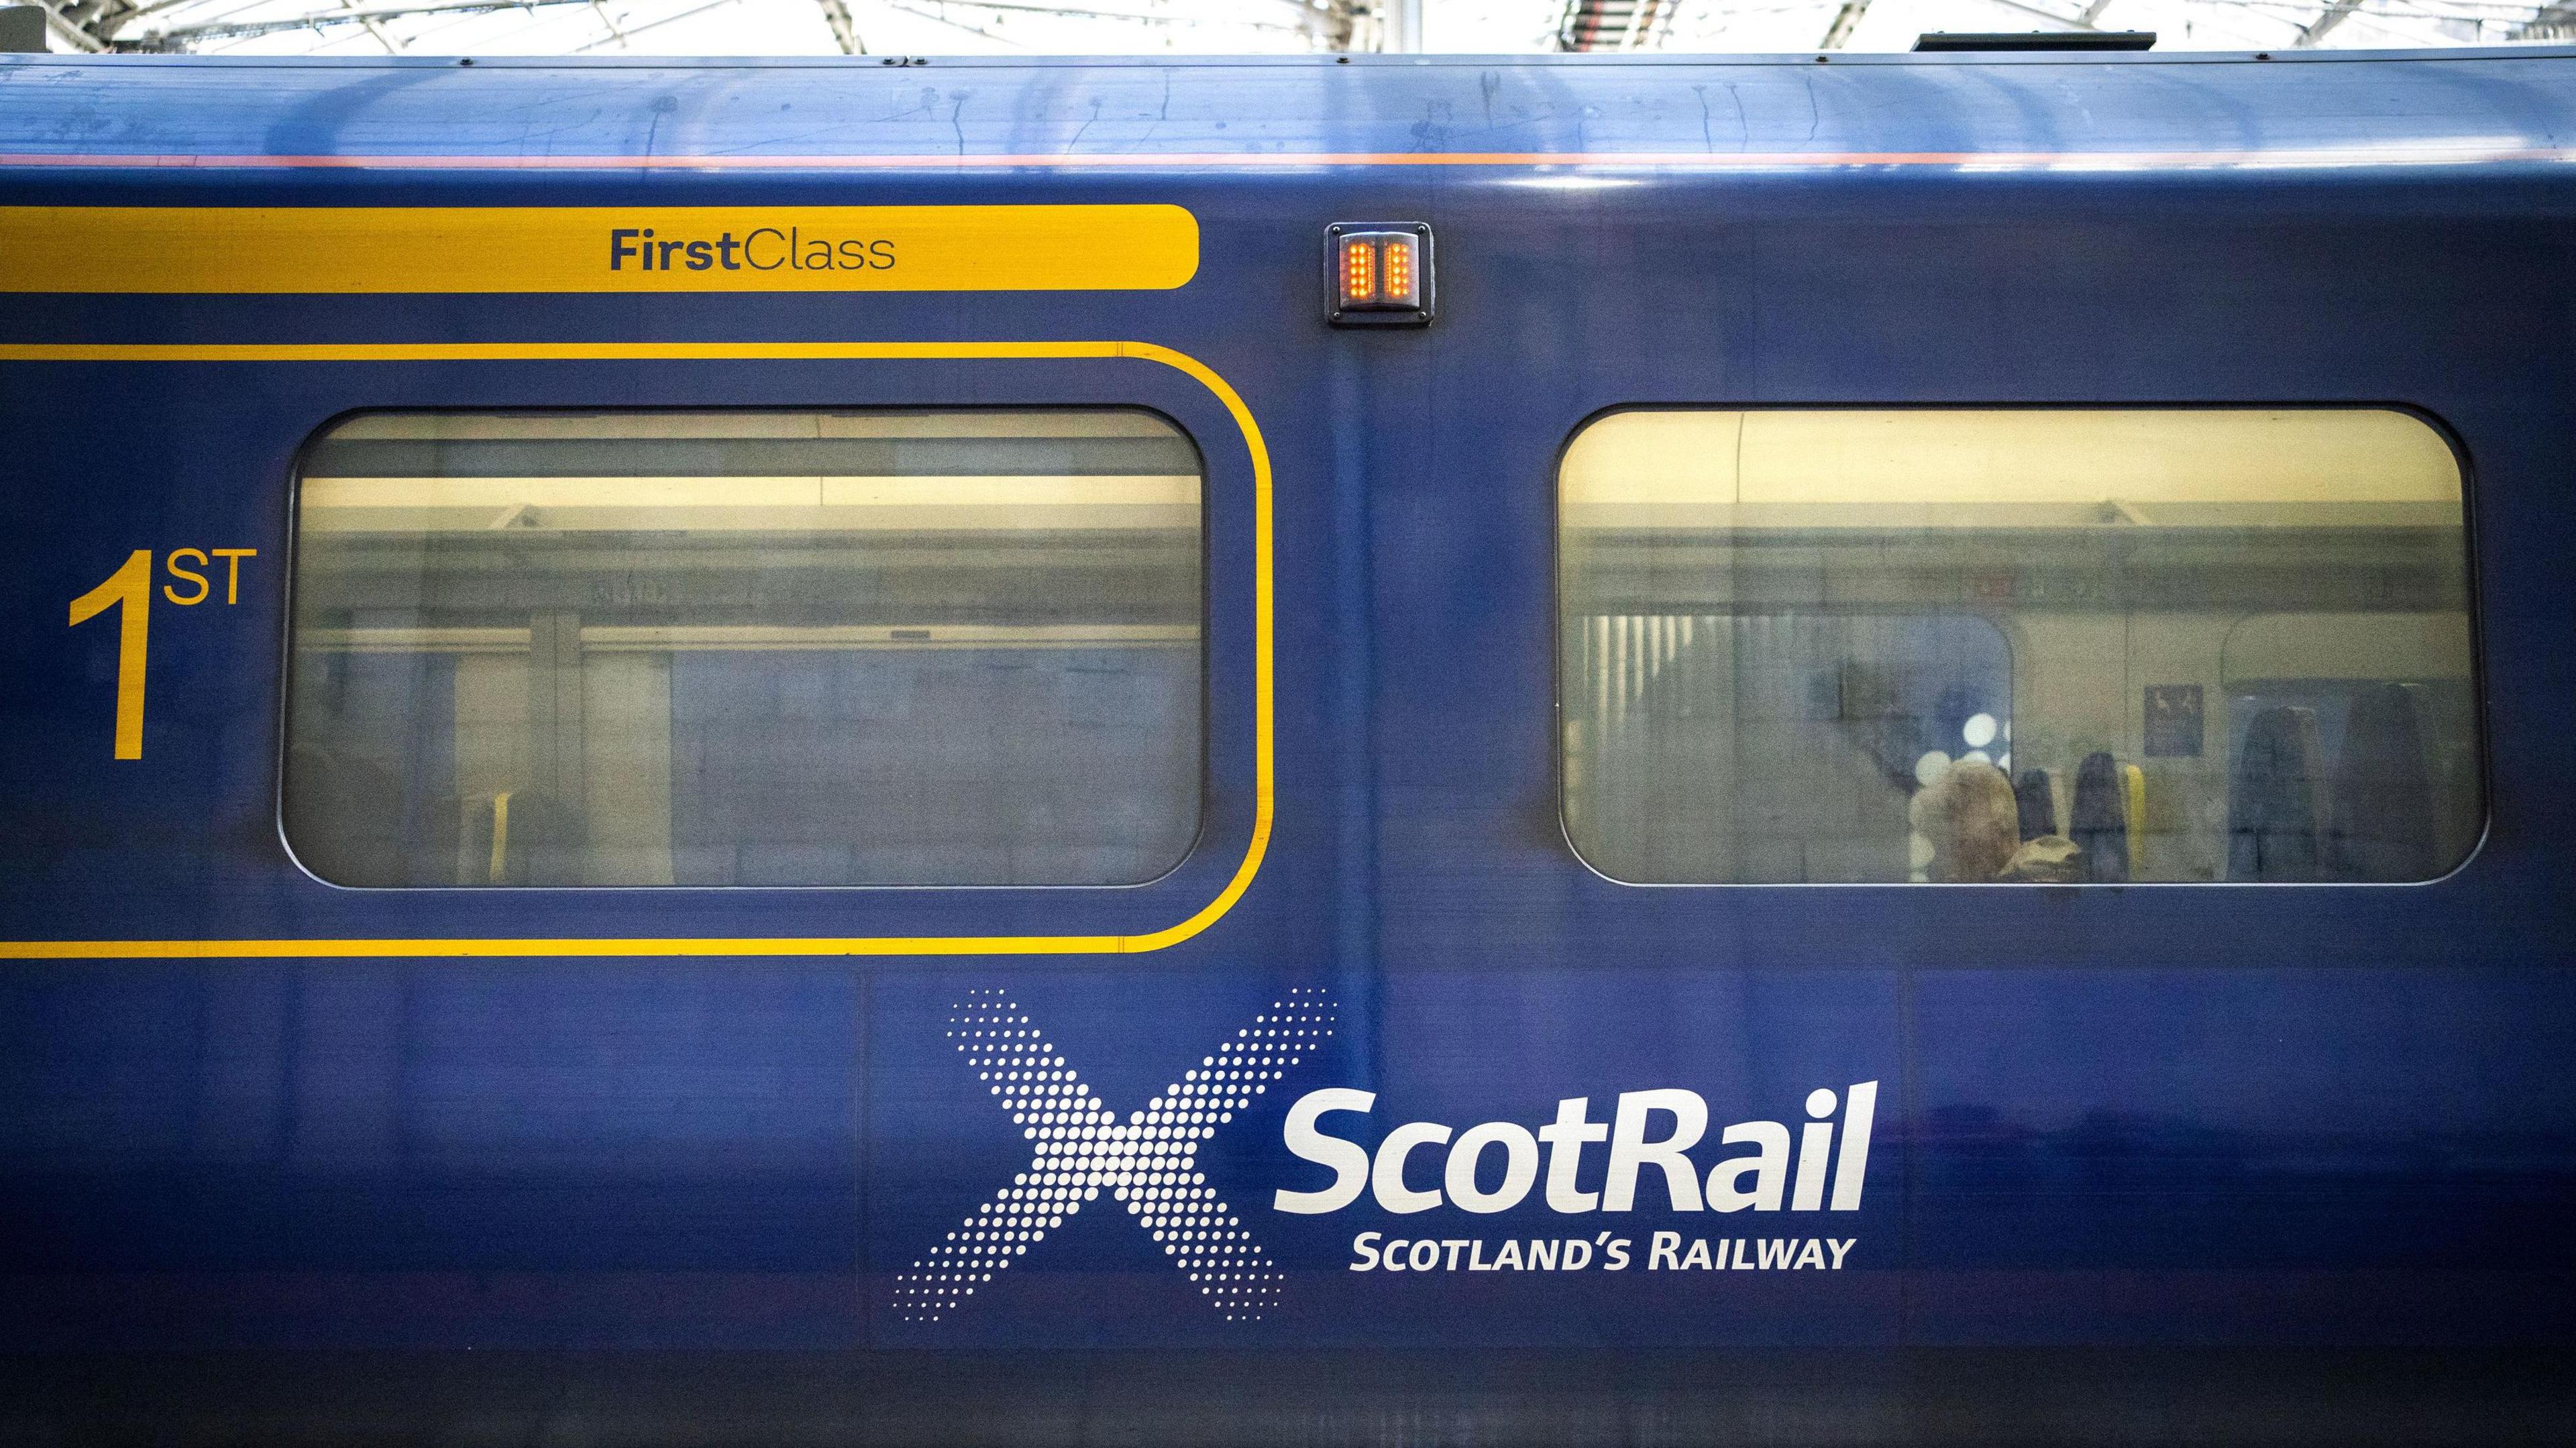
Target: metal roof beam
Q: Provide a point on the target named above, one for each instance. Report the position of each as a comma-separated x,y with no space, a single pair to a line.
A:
845,30
80,26
2552,22
243,29
1846,20
2070,22
2315,30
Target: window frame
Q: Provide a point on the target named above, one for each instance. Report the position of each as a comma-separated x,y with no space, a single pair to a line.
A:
1201,778
2473,611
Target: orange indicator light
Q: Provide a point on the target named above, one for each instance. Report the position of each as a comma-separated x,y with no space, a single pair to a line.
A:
1359,271
1399,287
1375,275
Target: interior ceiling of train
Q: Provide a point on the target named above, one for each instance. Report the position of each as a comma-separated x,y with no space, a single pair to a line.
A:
1222,27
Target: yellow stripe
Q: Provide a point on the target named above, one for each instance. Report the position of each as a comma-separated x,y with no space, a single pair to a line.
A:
422,249
1263,593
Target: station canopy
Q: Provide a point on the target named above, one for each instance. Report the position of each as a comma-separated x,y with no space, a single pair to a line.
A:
1253,27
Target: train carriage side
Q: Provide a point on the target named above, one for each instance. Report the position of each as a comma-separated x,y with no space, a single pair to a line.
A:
1865,747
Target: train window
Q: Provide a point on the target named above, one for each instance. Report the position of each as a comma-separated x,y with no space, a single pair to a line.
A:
1984,645
746,648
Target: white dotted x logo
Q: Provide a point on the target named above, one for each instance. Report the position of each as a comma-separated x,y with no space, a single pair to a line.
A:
1149,1161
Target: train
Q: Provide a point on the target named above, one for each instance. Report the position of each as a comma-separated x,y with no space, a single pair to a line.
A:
1796,749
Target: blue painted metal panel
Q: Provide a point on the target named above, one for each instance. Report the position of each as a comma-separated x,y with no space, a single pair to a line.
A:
2141,1116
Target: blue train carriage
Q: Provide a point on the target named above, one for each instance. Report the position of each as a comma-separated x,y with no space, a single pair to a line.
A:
1537,751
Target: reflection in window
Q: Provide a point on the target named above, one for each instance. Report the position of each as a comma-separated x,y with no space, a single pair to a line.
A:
1997,646
1772,746
746,649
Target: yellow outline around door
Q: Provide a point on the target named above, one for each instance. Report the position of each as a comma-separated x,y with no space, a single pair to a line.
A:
1263,753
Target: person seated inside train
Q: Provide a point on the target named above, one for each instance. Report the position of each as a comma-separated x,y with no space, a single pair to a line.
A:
1973,820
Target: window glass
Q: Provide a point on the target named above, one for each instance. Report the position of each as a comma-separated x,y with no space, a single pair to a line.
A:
748,648
2016,646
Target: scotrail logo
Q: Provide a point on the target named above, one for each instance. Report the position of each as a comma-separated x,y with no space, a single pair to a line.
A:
1645,1150
1650,1135
1655,1129
1149,1161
